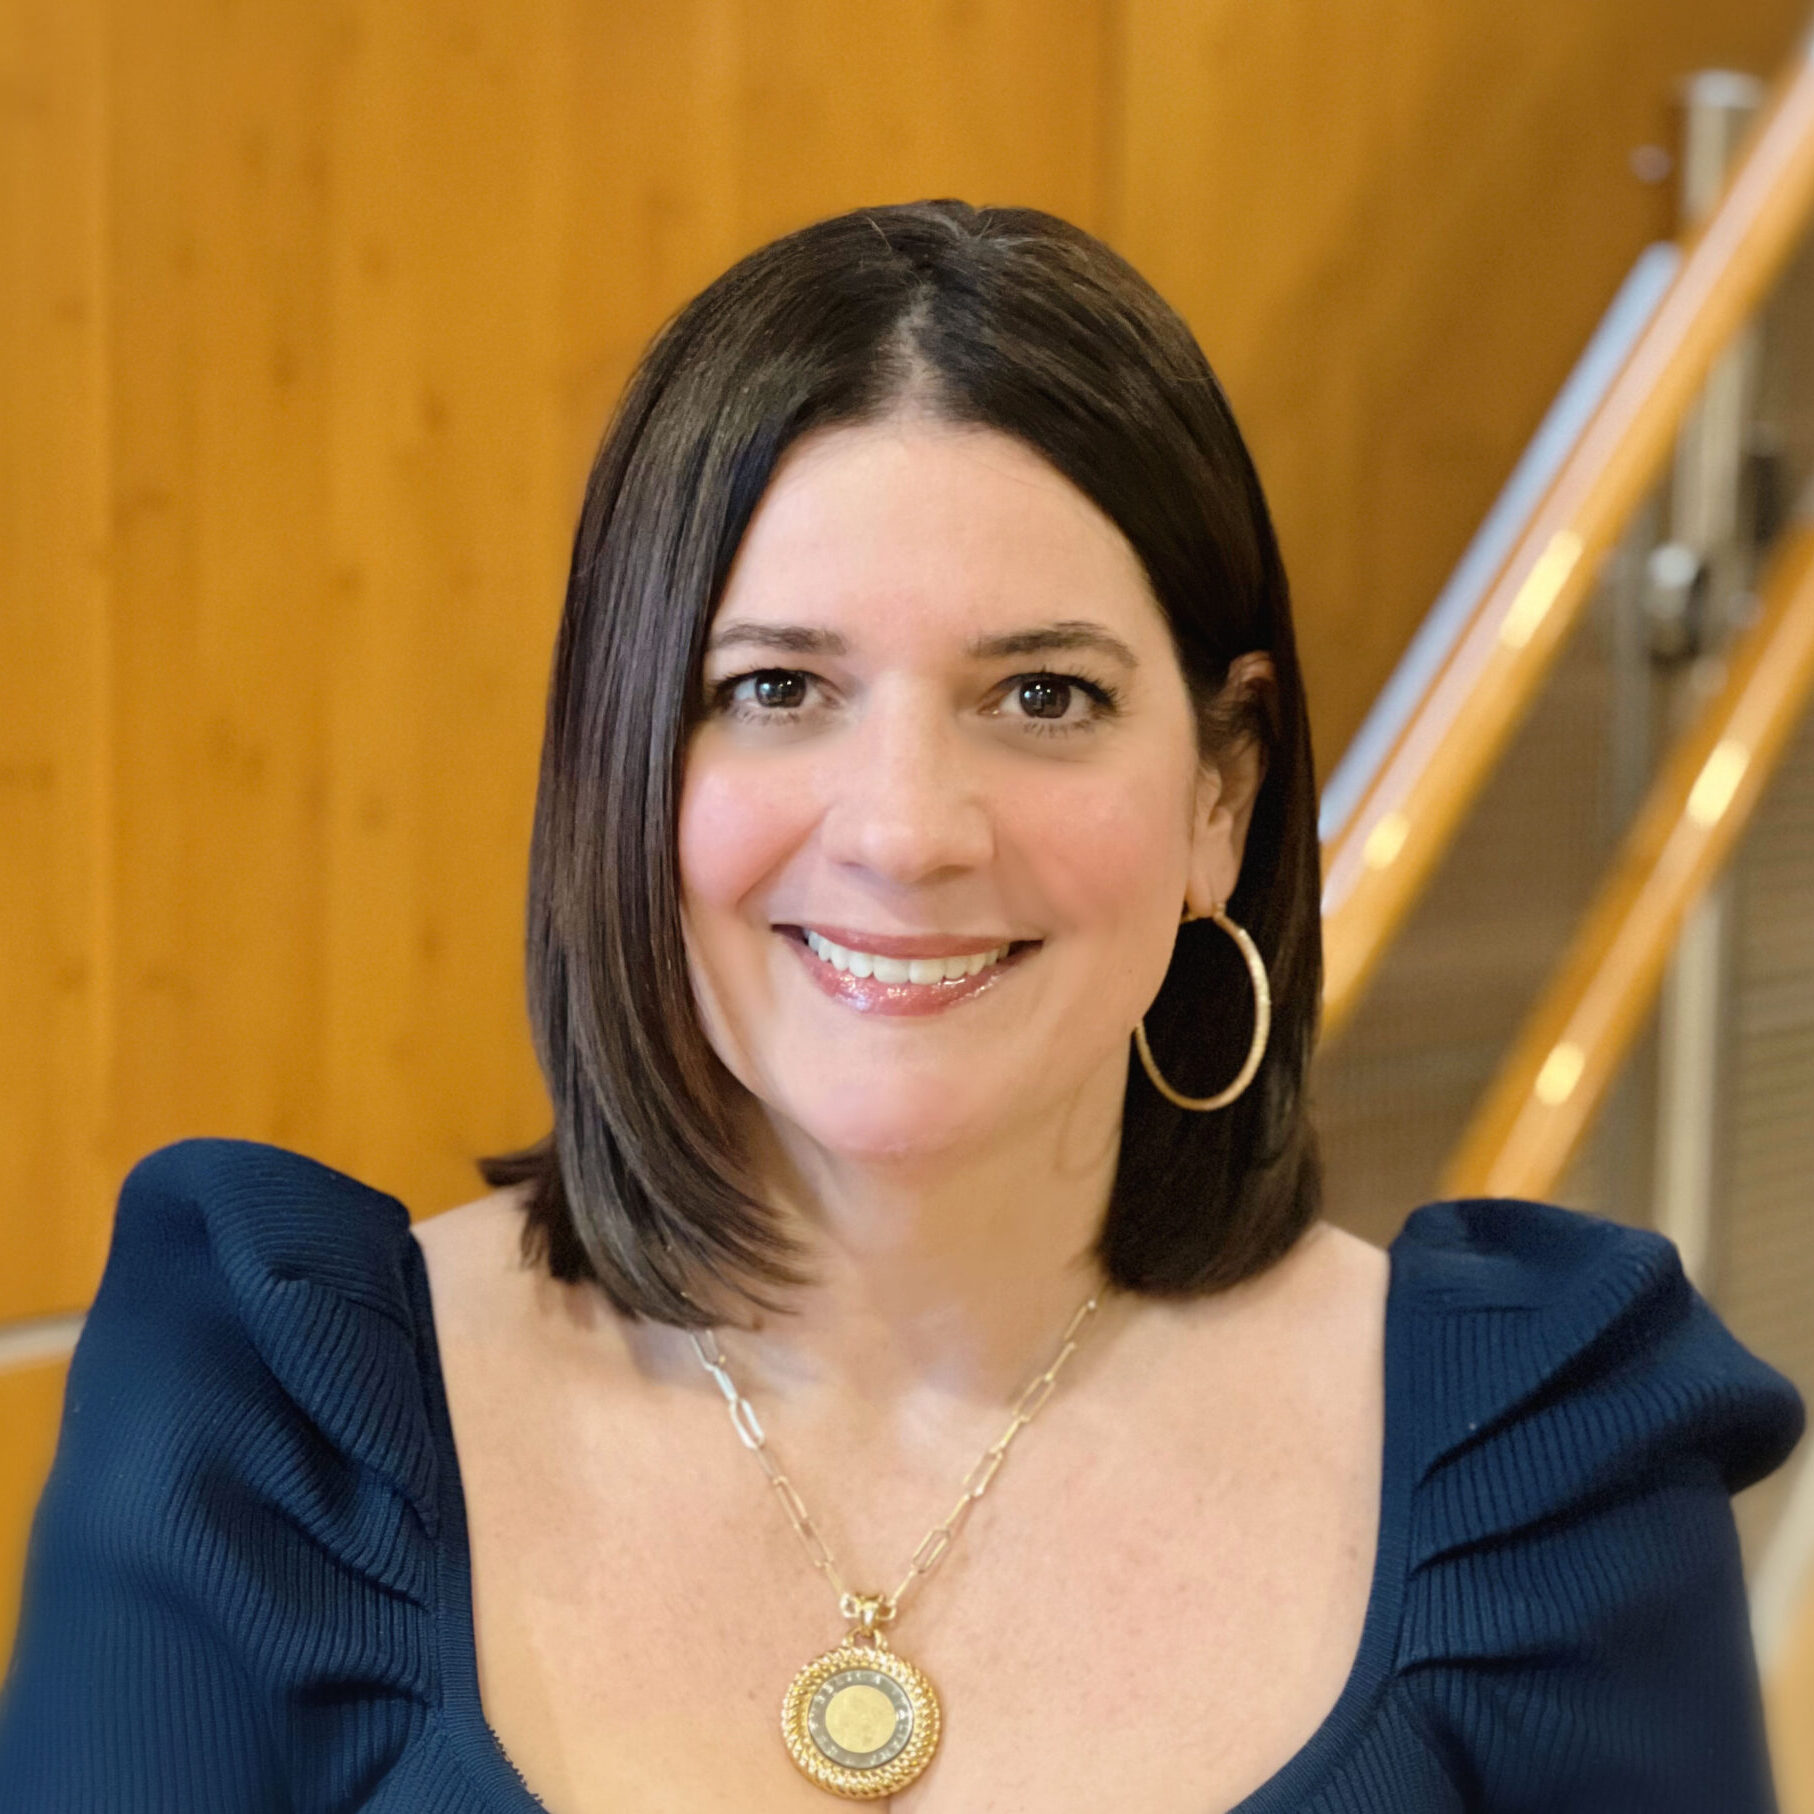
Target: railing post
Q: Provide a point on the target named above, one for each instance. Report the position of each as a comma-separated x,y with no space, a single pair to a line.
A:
1705,512
1625,1135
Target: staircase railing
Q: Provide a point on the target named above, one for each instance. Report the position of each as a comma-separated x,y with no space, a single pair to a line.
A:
1378,861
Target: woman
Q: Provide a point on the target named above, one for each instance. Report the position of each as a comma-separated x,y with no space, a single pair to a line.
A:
923,957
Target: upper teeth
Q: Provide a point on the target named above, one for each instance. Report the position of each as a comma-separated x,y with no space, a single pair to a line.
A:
903,969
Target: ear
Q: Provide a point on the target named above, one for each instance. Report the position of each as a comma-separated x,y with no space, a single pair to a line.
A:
1228,783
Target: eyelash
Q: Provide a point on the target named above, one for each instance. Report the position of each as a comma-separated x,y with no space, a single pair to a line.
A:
1107,700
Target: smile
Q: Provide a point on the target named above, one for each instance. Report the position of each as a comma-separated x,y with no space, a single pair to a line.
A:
902,969
881,983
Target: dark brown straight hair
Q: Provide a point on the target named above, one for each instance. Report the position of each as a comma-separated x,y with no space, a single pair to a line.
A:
1005,318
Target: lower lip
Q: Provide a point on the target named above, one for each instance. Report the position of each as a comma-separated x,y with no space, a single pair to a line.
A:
868,996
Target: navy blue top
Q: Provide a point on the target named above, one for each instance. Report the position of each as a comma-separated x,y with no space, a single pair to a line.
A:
249,1589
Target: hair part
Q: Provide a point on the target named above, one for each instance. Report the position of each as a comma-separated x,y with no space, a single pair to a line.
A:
1001,318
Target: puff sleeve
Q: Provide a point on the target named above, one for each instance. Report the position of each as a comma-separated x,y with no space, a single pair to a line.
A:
229,1592
1576,1632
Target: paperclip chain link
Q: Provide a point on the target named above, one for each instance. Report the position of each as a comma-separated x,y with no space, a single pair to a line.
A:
942,1535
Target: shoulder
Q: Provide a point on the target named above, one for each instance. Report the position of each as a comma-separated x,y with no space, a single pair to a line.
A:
269,1214
1568,1419
253,1300
1522,1313
243,1510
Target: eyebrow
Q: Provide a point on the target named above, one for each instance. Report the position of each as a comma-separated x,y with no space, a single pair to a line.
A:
1040,639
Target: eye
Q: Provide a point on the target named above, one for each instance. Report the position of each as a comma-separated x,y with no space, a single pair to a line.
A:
1045,703
774,695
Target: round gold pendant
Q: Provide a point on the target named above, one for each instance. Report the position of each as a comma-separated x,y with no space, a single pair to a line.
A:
859,1720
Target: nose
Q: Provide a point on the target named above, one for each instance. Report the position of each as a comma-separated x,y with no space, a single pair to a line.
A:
906,793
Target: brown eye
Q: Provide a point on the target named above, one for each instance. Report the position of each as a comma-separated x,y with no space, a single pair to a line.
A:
1043,696
774,696
1042,703
780,689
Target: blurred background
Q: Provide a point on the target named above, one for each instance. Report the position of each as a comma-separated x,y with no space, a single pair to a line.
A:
312,312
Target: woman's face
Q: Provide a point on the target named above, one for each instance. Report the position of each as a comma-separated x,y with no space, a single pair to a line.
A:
943,717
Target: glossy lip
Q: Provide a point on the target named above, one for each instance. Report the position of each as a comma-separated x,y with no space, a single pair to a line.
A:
907,1000
887,944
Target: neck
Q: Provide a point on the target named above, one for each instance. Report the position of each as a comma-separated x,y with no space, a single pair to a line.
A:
959,1284
943,1287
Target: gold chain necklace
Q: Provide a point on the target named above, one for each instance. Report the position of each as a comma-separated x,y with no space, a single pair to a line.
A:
860,1720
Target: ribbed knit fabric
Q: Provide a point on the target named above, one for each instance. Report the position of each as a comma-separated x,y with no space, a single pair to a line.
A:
248,1585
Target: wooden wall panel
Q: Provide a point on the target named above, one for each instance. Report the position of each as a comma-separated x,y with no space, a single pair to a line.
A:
447,524
218,401
56,946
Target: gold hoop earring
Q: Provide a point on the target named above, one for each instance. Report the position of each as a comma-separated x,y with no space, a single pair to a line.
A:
1262,1021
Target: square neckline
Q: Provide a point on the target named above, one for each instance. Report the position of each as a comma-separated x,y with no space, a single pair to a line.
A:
481,1754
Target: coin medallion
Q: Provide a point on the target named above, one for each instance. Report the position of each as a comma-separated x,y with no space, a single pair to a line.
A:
860,1720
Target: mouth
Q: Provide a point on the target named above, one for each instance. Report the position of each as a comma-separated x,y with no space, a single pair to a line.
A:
928,972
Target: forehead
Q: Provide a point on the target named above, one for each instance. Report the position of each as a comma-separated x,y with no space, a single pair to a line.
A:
915,511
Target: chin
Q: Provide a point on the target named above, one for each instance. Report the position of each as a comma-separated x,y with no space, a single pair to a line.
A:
891,1132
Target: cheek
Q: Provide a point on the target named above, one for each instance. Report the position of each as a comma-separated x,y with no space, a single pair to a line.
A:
1108,853
733,831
